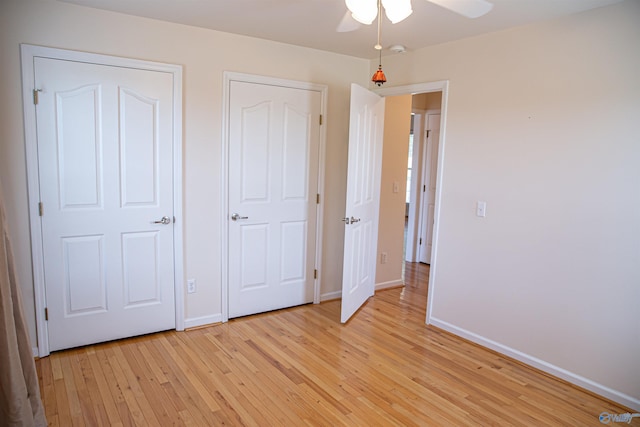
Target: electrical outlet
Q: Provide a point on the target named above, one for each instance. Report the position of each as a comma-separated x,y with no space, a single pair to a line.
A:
191,286
383,258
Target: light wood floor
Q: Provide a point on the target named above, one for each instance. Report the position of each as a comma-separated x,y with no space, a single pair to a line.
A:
302,367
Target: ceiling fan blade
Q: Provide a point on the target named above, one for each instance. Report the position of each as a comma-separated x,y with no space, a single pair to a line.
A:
347,24
468,8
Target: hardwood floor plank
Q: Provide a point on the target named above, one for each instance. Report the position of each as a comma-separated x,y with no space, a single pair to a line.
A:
123,412
227,394
277,383
157,371
295,374
150,390
191,372
129,397
246,388
179,381
92,414
75,408
193,410
300,366
47,389
103,389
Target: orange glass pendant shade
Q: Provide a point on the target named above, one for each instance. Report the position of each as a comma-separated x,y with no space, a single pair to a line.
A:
379,77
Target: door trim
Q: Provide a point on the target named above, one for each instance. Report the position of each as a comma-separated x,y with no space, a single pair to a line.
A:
230,76
438,86
28,54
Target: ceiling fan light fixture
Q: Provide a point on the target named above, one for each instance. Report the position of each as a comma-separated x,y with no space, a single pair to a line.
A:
397,10
363,11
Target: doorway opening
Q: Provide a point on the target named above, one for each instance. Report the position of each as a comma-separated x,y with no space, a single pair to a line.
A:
428,99
422,176
424,134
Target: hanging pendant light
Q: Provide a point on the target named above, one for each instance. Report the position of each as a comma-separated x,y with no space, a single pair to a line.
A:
378,77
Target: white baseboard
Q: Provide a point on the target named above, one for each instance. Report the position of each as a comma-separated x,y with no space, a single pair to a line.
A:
571,377
194,322
389,284
331,295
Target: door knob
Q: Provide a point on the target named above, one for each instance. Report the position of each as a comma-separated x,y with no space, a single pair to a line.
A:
165,220
351,220
236,216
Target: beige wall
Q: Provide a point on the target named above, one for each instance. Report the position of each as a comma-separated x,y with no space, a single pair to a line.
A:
542,124
397,122
427,101
204,54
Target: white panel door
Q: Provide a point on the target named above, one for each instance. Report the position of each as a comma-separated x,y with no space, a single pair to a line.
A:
363,199
274,135
428,201
105,167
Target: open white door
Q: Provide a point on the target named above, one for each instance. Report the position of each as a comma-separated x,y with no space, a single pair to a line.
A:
363,199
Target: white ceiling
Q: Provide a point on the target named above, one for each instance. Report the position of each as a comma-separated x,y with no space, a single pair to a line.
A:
312,23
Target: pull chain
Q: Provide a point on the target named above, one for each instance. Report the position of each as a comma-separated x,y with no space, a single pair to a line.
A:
379,77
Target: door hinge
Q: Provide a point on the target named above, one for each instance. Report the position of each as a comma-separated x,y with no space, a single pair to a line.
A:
315,274
428,130
424,188
420,241
46,314
35,96
320,119
40,208
317,199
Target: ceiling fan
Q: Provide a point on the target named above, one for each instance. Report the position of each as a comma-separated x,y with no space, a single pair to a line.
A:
365,11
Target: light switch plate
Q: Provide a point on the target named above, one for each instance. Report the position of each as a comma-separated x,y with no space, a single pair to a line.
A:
481,209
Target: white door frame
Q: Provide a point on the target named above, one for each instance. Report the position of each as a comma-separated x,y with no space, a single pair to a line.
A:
230,76
28,55
439,86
